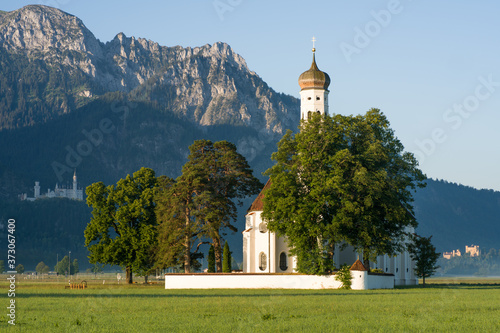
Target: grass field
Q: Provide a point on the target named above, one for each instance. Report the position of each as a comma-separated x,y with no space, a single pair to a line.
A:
452,305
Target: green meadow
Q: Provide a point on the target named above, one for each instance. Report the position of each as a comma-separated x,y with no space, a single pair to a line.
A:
458,305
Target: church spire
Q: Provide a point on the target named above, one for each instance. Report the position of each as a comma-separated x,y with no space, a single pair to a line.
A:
313,78
314,85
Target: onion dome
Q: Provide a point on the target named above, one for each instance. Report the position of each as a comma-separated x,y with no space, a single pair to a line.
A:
314,78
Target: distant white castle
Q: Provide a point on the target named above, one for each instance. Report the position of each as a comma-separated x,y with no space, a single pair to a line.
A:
58,192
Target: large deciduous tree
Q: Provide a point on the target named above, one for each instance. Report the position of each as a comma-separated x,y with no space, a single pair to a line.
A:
424,254
341,180
122,230
41,268
202,202
64,267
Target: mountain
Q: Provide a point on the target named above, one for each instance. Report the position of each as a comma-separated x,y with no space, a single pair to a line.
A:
51,64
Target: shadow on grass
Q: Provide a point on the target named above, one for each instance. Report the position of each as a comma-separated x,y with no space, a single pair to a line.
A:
103,293
453,286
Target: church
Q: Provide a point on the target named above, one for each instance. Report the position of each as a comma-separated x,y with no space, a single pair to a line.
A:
267,261
265,252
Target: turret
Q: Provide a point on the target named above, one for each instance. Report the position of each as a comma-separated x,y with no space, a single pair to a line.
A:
314,90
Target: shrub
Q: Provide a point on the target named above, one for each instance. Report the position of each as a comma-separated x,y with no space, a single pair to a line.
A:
344,276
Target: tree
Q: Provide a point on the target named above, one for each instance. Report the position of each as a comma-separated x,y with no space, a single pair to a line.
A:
74,267
344,276
41,268
63,266
95,268
226,259
2,266
341,180
176,215
20,269
211,260
202,202
122,230
424,254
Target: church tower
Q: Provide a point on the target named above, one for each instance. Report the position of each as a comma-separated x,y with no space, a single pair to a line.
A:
75,186
314,90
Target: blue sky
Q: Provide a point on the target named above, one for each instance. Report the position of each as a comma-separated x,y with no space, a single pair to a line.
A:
431,67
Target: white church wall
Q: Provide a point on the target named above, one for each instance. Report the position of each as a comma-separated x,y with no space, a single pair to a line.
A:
375,281
282,247
262,243
361,281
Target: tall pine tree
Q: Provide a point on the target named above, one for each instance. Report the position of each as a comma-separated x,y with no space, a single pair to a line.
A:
202,202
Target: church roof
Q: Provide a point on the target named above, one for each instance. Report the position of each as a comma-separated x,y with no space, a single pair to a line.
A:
358,266
313,78
258,204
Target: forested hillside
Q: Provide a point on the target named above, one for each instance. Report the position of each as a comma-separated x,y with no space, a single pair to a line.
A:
458,215
46,228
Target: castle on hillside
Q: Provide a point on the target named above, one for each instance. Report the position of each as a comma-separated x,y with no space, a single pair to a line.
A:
472,250
59,192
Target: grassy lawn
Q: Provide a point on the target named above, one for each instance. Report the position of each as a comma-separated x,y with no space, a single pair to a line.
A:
455,305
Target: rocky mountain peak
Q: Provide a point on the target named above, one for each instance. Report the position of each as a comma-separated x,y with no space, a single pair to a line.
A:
224,51
207,85
38,28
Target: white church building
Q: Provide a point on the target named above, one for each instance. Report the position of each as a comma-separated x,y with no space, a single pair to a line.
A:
267,262
265,252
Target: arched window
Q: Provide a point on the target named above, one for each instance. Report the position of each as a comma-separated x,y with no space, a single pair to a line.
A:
262,227
309,113
262,261
283,261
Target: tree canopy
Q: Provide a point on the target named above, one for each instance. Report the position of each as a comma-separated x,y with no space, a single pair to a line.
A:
341,180
122,230
226,259
42,268
424,254
202,202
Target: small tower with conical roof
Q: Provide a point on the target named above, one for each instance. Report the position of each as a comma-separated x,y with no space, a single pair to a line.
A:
75,186
314,90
